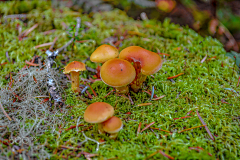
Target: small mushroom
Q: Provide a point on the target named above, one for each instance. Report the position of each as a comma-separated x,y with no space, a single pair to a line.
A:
118,73
74,68
112,126
104,53
98,112
144,61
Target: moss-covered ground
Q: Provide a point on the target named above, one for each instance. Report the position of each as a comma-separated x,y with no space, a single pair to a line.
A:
206,86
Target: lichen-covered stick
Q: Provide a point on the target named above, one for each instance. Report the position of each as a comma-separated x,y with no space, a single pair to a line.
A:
50,61
50,82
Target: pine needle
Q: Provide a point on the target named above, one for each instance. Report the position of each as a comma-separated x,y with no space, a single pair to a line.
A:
203,123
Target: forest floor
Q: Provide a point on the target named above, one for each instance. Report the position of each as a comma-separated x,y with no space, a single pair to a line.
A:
196,117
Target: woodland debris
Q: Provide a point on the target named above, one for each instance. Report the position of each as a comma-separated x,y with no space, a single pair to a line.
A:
205,125
4,112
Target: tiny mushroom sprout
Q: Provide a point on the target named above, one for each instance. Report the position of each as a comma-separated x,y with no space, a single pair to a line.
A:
118,73
144,61
112,126
104,53
98,112
74,68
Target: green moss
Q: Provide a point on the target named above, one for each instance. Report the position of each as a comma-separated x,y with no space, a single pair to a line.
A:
201,87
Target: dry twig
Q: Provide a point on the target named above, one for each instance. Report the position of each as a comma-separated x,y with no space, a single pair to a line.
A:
4,112
205,125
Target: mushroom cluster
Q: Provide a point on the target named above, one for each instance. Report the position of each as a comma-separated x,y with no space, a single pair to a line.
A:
102,114
129,68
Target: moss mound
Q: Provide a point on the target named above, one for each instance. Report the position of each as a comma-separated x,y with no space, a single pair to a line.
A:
208,86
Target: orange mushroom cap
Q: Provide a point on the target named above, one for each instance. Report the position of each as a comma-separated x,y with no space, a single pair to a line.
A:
74,66
117,72
112,125
98,112
104,53
150,62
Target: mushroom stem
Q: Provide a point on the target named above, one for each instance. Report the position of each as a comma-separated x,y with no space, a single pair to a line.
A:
139,79
98,70
113,135
75,81
122,90
100,128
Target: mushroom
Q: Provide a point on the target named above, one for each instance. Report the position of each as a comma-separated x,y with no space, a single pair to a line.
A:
102,54
144,61
74,68
118,73
98,112
112,126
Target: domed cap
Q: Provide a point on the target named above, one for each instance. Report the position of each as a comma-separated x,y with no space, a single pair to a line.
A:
104,53
150,62
112,125
117,72
74,66
98,112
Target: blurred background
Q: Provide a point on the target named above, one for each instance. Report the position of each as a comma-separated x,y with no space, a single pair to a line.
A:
217,18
